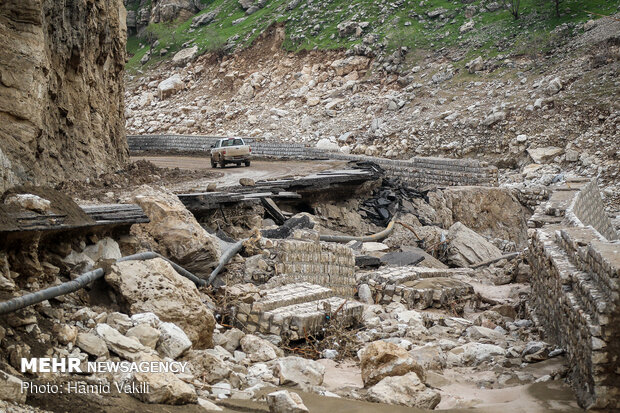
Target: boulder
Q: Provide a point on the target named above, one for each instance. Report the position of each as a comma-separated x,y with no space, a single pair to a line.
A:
429,356
184,56
475,353
405,390
207,366
126,347
230,339
145,334
258,349
29,201
170,86
476,333
119,321
365,294
175,233
284,401
327,145
465,247
466,27
299,371
246,4
493,118
173,341
65,333
247,182
154,286
489,211
91,344
170,10
11,389
545,154
343,67
203,19
554,86
381,359
475,65
105,249
164,388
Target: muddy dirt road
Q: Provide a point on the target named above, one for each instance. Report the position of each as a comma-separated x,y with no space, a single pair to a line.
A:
229,176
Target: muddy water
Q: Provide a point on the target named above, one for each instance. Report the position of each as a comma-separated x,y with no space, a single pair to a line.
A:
535,398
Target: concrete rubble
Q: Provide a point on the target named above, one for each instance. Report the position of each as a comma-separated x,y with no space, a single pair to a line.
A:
441,306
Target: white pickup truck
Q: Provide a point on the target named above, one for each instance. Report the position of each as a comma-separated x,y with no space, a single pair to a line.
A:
230,150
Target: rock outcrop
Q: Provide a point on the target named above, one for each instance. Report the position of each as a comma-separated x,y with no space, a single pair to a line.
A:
61,90
175,233
153,286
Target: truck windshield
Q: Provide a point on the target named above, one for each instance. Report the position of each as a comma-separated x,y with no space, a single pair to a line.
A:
232,142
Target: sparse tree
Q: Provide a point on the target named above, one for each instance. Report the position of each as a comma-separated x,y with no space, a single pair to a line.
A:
513,7
557,7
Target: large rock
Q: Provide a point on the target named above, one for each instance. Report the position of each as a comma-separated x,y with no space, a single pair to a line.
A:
203,19
492,212
381,359
183,56
164,388
230,339
405,390
284,401
545,154
173,341
92,344
170,10
126,347
466,247
170,86
345,66
62,68
11,389
29,201
299,371
258,349
175,233
474,353
207,366
148,336
327,145
154,286
105,249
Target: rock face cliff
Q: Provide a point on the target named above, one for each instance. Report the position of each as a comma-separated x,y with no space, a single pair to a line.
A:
61,89
142,12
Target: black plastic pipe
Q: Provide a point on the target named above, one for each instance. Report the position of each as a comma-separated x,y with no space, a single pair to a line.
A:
83,280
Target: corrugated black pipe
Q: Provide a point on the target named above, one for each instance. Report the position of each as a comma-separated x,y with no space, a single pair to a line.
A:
83,280
226,256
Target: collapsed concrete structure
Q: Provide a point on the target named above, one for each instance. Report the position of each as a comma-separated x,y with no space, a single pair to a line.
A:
575,257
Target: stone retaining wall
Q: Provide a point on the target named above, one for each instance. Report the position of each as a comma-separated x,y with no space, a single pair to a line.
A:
323,263
418,287
417,172
587,208
576,294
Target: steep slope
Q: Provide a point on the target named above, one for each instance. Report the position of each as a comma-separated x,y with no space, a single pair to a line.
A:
539,115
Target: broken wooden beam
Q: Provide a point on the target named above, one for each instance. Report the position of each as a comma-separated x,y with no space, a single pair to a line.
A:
273,210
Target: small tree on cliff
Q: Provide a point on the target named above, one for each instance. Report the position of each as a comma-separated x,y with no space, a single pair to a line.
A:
513,7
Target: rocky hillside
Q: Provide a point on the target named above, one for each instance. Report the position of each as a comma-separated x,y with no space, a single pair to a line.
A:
538,110
61,89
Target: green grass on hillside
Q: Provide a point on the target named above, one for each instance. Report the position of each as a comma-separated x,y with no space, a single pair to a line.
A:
494,33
